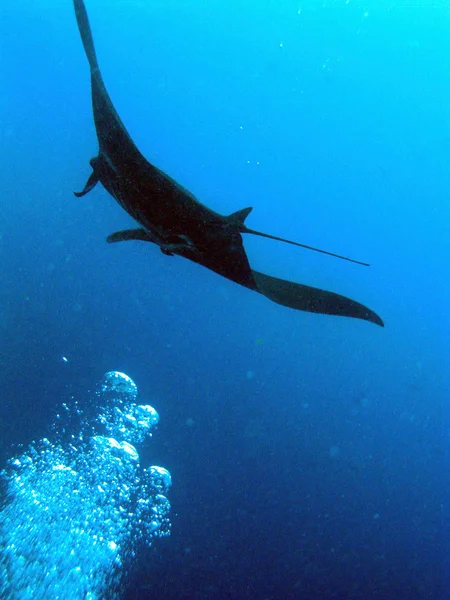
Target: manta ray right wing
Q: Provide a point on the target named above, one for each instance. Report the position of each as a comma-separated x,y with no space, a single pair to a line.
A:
311,299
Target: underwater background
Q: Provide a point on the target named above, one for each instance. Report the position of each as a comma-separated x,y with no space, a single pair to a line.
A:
309,454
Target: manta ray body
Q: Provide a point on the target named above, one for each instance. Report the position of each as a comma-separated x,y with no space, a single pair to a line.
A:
172,218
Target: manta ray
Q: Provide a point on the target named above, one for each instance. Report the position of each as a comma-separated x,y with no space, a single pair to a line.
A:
171,217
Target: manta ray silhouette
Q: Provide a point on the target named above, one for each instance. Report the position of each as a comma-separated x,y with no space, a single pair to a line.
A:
172,218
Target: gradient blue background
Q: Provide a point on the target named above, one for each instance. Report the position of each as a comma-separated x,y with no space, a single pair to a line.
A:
309,454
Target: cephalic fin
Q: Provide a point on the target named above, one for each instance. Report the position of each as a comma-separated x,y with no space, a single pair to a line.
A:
129,234
176,246
92,181
90,184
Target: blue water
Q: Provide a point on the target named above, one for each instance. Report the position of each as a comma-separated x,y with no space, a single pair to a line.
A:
309,454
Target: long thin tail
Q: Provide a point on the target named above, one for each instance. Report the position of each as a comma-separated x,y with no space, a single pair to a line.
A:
86,34
279,239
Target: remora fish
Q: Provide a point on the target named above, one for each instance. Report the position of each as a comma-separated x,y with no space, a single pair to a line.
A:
172,218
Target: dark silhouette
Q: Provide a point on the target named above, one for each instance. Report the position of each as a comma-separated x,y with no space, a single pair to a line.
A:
171,217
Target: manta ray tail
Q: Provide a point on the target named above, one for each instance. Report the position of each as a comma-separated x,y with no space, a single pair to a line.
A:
310,299
279,239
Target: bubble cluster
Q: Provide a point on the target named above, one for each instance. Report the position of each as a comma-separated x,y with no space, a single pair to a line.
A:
120,414
75,512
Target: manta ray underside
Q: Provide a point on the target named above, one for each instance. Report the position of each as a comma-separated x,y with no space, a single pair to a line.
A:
172,218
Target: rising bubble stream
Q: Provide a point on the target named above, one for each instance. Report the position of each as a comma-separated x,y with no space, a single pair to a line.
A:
75,512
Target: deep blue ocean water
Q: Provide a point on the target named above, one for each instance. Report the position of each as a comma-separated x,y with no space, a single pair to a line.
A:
309,454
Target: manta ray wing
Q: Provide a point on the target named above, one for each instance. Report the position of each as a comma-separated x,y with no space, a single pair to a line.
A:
311,299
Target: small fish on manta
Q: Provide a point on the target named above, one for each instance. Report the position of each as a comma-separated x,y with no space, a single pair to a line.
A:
172,218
